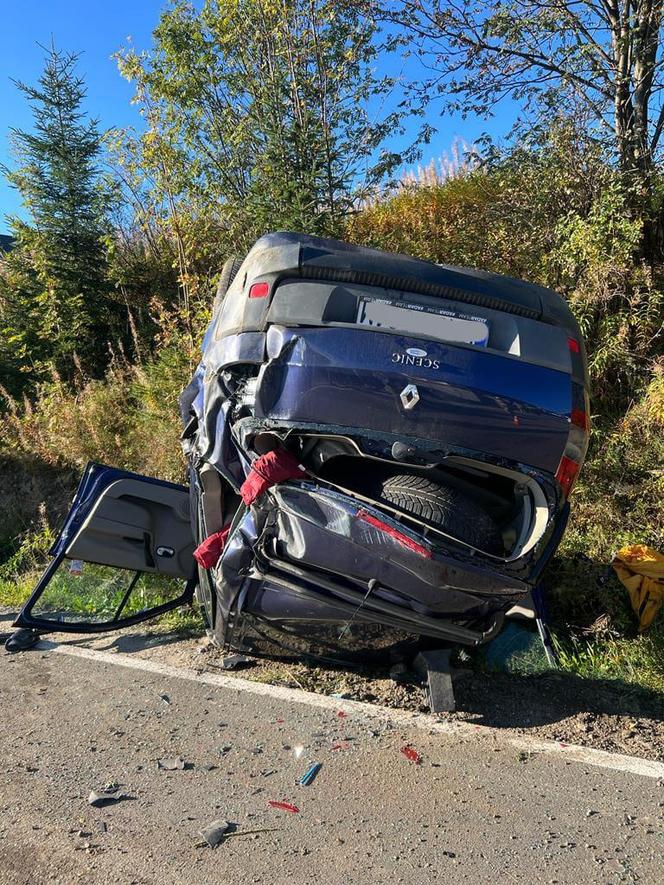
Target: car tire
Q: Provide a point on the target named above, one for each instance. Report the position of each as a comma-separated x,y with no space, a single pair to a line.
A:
228,274
443,507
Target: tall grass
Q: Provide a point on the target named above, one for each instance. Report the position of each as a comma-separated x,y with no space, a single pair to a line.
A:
128,419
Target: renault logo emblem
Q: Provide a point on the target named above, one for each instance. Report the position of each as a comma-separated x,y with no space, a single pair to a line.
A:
410,396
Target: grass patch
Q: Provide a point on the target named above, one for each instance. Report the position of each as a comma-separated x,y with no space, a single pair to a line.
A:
14,593
595,630
186,621
636,661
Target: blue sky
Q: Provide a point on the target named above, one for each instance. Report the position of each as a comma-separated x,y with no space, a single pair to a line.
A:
97,30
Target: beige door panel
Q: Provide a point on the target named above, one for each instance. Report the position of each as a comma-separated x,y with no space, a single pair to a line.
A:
136,525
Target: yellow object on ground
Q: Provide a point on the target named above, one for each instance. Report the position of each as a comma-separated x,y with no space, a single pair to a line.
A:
641,569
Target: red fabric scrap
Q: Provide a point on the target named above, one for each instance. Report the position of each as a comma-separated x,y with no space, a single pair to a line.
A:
266,471
207,554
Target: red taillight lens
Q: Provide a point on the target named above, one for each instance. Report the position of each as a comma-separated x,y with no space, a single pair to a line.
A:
580,419
259,290
567,473
574,345
394,533
577,441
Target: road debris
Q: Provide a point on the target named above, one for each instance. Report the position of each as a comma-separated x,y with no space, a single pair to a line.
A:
517,649
107,796
309,775
641,570
215,832
411,754
165,698
284,806
298,751
235,662
172,764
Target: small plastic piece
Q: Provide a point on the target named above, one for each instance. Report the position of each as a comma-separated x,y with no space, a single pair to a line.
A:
284,806
174,763
100,798
235,662
309,775
411,754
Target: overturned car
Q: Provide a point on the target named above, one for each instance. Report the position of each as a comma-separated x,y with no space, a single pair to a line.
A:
381,452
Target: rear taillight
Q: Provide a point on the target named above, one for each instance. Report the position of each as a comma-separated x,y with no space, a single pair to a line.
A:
566,474
398,536
577,441
259,290
580,419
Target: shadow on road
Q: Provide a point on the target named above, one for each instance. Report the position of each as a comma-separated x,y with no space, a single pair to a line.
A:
131,643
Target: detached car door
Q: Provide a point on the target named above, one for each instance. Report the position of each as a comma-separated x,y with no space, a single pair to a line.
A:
124,555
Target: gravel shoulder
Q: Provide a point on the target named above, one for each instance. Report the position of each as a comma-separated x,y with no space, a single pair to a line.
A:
556,706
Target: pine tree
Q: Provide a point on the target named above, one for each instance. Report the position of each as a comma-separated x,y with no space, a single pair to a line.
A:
54,295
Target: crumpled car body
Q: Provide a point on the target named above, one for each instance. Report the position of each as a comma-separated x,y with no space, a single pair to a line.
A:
436,417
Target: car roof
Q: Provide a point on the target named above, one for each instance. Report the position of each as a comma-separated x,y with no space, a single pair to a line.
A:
319,258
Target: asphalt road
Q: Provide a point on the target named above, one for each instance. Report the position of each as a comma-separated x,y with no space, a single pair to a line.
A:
475,810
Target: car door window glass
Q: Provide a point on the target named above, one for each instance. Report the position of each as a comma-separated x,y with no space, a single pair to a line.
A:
86,592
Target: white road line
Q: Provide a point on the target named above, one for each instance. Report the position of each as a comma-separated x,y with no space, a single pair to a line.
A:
569,752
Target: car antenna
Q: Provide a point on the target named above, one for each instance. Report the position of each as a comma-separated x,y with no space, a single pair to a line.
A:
373,583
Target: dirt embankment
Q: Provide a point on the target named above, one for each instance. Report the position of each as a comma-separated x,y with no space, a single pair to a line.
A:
31,491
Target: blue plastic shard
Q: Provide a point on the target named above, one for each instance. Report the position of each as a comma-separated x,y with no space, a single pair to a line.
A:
310,774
